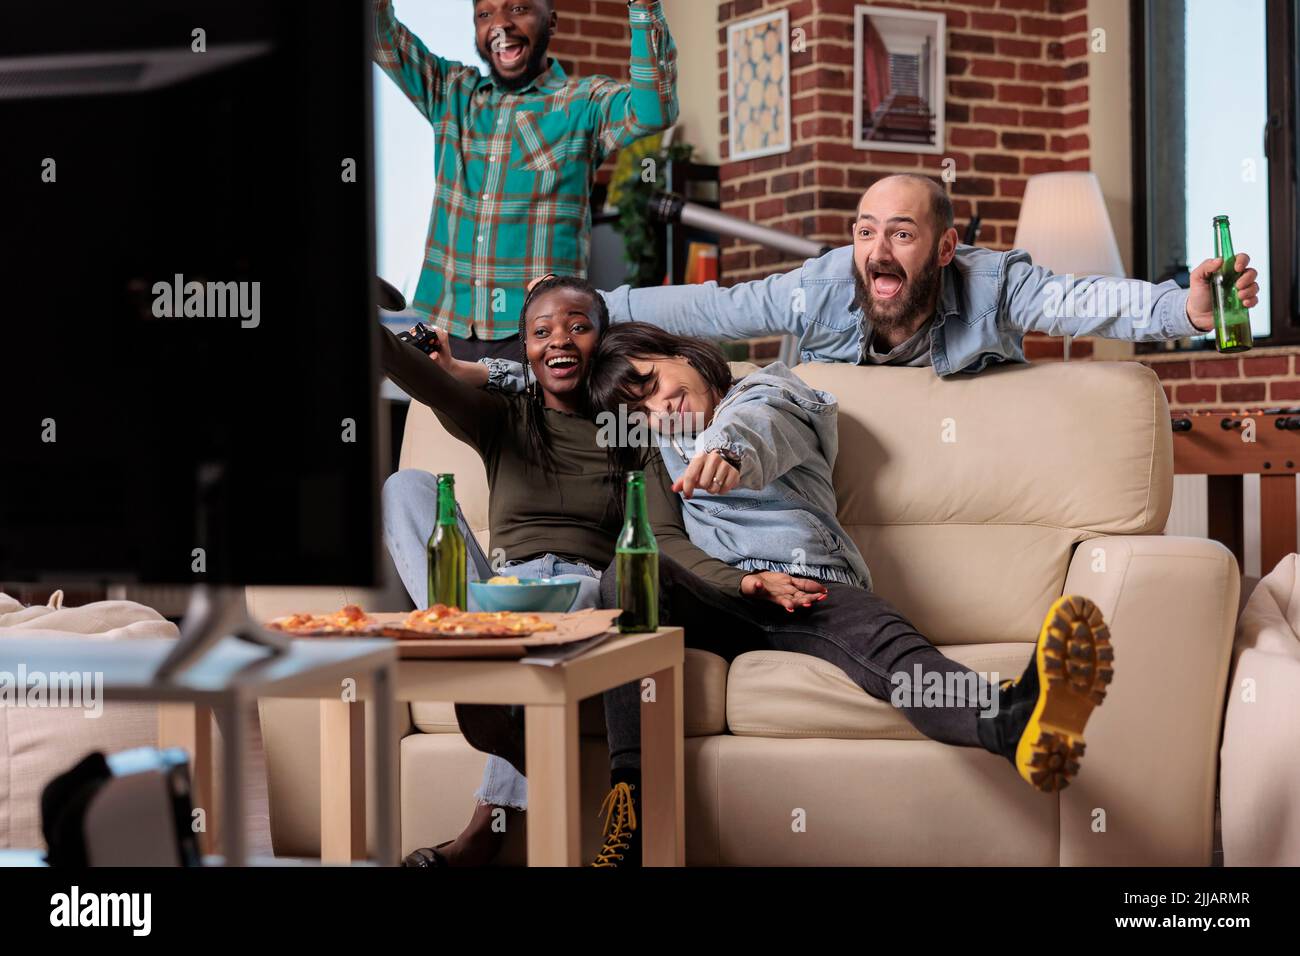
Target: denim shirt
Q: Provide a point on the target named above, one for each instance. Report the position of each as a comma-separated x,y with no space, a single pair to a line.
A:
988,301
781,516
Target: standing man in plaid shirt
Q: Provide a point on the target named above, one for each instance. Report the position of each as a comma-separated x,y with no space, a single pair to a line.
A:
516,154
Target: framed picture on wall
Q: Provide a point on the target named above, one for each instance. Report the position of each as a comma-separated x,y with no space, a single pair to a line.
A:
898,80
758,86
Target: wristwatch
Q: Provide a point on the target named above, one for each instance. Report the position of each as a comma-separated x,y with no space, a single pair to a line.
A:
730,457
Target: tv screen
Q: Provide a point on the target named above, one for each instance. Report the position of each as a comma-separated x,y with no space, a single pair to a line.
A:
189,388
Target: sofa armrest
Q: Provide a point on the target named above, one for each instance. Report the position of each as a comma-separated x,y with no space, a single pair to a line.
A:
1151,764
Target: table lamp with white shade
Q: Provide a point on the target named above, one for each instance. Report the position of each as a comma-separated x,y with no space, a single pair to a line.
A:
1065,227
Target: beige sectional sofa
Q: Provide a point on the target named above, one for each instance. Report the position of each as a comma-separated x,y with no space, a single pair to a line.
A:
1261,733
976,501
38,744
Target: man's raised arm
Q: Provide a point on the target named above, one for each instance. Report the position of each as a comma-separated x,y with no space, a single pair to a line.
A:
777,305
421,75
627,112
1038,300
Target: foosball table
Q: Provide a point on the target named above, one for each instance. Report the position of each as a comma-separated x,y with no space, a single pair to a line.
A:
1226,446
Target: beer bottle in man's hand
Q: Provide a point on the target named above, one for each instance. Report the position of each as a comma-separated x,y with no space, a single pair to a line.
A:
1231,319
637,563
446,550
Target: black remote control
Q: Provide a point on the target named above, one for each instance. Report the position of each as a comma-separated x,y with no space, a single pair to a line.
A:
423,337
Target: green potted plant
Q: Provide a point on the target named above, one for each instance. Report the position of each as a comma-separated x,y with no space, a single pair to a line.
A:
633,184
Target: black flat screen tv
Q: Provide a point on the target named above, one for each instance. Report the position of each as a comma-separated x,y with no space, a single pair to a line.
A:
188,332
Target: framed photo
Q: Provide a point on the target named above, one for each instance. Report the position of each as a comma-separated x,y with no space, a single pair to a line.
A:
758,86
898,80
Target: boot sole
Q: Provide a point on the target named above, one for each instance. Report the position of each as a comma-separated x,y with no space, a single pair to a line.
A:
1075,664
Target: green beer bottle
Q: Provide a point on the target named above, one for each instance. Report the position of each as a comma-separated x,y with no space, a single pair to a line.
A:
1231,320
446,550
637,563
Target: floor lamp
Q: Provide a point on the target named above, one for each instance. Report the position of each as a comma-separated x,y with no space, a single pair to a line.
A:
1065,227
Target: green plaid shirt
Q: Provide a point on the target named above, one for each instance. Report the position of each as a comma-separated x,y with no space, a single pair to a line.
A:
515,169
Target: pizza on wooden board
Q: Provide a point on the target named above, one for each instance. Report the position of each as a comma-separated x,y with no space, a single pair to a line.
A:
437,621
443,621
350,620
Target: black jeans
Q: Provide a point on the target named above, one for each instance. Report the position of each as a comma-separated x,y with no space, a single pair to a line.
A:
854,629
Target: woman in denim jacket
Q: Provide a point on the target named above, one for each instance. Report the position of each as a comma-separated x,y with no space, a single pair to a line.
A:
752,461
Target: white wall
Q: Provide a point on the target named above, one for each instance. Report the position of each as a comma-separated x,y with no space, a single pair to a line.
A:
694,25
1110,137
404,143
1110,118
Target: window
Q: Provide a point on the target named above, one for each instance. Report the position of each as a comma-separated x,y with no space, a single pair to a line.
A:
404,144
1214,133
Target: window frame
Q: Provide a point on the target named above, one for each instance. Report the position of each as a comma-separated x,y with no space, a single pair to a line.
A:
1282,43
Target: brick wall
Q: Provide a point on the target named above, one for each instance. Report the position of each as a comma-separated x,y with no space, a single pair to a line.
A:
1208,381
1017,105
593,38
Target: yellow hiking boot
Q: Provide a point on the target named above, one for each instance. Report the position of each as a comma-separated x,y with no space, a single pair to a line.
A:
622,846
1042,715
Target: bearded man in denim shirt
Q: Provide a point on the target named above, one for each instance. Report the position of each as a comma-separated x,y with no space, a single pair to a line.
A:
907,293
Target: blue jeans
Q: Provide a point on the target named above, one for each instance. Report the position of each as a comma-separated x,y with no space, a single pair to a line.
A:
410,507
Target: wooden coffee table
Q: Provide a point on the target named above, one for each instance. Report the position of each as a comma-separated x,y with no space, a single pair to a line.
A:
550,697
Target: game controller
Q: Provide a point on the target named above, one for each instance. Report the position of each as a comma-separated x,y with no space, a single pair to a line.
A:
423,337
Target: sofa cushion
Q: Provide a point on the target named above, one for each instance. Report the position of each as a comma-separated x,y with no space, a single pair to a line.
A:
966,495
439,717
877,803
781,694
427,445
38,744
705,683
1260,778
434,716
704,680
969,583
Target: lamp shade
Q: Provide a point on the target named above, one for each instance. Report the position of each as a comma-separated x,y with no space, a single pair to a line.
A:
1065,227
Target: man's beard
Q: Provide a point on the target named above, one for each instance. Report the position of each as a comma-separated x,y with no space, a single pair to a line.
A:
536,63
902,311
